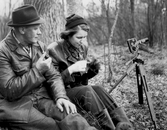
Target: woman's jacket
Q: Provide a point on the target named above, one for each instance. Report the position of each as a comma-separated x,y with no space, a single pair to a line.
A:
64,55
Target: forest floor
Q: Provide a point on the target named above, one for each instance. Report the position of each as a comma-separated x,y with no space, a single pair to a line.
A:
126,93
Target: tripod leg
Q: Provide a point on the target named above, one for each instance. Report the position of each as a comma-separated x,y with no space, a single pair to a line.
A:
139,85
127,72
117,83
148,96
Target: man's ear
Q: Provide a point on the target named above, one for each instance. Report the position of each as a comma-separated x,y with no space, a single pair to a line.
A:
22,30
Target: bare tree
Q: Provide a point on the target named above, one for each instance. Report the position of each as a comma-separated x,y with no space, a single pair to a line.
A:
6,17
74,6
132,7
52,12
110,44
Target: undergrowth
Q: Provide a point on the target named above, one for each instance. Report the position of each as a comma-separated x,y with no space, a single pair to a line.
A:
126,93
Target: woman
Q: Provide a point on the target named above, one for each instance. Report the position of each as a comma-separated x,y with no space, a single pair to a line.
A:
70,56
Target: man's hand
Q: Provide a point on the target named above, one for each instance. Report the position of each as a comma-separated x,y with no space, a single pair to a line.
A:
69,106
43,64
79,66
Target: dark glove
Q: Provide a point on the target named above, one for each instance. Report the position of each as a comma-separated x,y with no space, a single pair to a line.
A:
94,65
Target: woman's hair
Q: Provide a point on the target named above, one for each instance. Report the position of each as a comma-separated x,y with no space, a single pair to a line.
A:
69,33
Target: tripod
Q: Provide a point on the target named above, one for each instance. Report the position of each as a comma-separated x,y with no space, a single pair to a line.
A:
141,84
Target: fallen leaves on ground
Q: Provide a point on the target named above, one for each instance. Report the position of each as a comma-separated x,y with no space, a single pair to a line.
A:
126,93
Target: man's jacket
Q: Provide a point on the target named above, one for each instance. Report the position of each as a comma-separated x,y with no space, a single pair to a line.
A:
62,58
20,80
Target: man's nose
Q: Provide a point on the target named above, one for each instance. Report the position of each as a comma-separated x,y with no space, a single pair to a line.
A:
39,31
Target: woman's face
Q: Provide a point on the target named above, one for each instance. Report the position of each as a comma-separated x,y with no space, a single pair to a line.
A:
80,38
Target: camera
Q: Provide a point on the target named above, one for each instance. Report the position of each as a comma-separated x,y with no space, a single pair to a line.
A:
135,44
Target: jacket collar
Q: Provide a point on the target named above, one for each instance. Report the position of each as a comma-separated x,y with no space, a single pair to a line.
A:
11,41
71,53
13,44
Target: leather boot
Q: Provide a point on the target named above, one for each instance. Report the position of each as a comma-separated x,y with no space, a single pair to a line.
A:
120,119
105,120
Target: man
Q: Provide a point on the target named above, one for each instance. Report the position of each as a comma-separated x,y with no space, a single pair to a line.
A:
32,94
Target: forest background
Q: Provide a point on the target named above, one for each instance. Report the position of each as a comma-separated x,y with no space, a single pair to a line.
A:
112,23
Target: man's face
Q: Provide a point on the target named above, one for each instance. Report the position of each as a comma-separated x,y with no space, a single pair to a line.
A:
80,38
31,34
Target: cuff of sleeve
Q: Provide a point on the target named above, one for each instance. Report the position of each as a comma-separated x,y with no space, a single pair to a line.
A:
67,77
65,97
40,74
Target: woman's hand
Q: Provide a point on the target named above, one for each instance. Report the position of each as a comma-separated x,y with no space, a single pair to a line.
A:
79,66
64,103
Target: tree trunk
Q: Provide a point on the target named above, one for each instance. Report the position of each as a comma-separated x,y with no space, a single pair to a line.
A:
165,20
52,12
110,39
151,21
132,7
74,6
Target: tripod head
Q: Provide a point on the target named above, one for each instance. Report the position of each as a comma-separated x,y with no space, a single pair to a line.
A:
135,44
